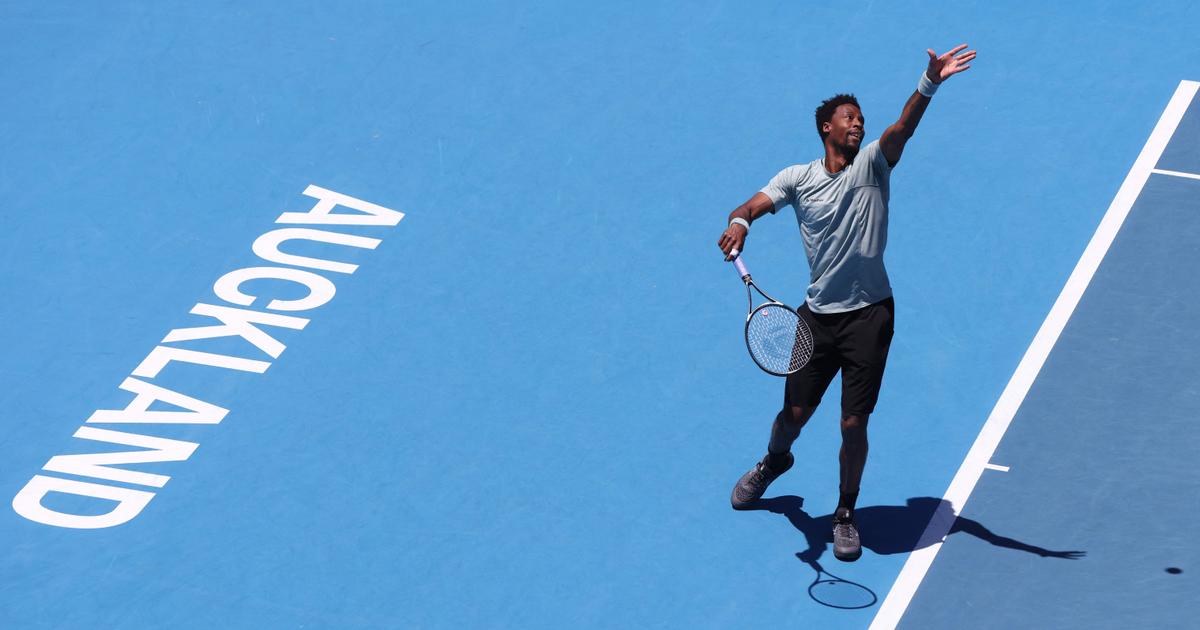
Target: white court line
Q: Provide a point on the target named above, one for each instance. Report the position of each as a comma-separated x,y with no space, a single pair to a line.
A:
996,467
1175,173
981,452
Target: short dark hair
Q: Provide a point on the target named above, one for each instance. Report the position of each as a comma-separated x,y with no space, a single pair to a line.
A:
830,105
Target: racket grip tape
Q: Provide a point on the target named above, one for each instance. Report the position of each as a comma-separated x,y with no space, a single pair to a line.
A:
737,262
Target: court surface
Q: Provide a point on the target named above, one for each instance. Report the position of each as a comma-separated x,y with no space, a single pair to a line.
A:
524,402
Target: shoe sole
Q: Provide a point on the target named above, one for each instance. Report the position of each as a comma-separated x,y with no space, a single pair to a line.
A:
847,557
744,506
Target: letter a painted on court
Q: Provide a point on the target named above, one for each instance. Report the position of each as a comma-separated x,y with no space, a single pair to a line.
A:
322,213
138,410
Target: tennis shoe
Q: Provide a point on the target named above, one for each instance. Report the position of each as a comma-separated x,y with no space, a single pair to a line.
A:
753,484
846,546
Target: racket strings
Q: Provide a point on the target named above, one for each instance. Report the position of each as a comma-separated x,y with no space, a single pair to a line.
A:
778,339
802,351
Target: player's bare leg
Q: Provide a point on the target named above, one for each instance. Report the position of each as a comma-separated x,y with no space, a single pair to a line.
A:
853,458
778,460
786,429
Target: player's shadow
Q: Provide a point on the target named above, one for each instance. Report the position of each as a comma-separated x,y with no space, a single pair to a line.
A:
892,529
885,530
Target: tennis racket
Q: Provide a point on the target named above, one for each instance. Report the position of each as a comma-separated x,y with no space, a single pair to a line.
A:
778,339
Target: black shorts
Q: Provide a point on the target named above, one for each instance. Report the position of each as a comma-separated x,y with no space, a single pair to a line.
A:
855,342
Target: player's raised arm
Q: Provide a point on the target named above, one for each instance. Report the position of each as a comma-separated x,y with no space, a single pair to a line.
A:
734,236
941,67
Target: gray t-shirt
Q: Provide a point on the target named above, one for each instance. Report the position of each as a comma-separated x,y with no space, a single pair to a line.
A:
843,221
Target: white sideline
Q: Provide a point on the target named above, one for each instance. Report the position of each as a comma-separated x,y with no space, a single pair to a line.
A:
981,452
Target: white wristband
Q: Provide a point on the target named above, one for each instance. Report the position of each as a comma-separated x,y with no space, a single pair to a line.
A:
926,87
740,221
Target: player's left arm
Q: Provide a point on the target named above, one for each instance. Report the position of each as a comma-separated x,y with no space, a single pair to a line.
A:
941,67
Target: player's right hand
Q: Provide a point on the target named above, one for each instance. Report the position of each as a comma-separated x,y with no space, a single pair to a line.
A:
734,237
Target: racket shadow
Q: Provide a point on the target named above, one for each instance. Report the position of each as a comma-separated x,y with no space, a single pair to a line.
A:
830,590
891,529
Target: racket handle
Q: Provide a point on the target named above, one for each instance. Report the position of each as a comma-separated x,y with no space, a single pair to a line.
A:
737,262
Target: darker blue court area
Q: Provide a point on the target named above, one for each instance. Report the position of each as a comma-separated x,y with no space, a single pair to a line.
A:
1183,153
1099,506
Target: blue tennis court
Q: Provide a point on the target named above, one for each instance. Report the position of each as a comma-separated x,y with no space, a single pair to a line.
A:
379,315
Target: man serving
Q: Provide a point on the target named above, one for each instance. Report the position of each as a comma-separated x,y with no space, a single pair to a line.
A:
841,206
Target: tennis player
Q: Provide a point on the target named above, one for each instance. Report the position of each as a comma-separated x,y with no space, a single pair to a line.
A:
841,204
